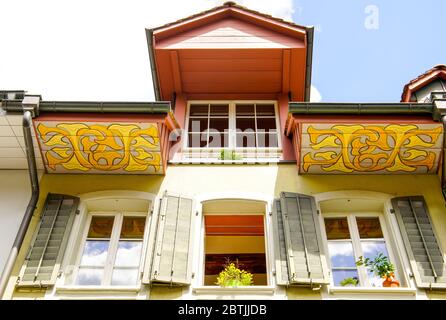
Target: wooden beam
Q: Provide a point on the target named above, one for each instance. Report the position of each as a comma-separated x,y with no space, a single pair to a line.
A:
286,56
174,62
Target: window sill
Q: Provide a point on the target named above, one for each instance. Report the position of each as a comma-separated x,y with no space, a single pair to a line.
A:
222,162
356,290
98,289
248,290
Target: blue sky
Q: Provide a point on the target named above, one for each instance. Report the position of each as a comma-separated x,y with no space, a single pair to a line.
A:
353,63
96,50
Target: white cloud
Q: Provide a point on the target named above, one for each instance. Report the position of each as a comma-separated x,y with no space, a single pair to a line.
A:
315,95
91,50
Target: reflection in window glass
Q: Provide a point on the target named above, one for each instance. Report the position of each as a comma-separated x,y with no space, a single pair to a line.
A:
369,228
344,249
337,228
341,254
128,256
127,244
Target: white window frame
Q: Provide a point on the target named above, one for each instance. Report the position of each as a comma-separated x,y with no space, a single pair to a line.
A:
274,151
356,242
197,289
394,242
113,247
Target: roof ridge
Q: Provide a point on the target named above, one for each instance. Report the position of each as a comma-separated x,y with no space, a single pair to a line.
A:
228,4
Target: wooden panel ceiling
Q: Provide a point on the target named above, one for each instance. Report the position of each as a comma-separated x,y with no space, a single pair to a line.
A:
234,225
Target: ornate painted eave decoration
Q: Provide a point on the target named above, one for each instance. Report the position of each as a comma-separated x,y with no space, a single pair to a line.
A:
364,146
133,144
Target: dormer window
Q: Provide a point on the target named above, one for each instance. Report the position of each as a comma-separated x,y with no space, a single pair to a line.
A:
248,128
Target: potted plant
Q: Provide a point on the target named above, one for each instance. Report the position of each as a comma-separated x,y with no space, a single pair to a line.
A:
229,155
349,282
232,276
382,267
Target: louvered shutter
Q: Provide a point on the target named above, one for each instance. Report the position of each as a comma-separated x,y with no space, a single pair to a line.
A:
280,248
425,256
302,239
45,255
173,246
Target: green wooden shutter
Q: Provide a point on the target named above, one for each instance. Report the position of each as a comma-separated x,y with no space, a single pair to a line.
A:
302,237
425,256
45,255
173,245
280,248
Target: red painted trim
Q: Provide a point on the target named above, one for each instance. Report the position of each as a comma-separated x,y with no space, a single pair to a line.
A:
422,82
221,13
287,147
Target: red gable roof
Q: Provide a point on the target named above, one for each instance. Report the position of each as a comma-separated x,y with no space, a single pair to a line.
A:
231,52
437,72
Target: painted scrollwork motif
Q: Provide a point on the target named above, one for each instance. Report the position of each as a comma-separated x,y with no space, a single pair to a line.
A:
371,148
81,146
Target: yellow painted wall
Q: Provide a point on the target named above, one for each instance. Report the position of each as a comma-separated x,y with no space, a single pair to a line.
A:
268,179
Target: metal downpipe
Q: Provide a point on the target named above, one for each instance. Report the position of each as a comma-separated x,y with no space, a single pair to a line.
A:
10,262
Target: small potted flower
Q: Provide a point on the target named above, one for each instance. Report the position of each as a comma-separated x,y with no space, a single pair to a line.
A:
232,276
382,267
349,282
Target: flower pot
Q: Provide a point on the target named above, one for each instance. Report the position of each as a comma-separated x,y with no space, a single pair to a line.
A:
390,281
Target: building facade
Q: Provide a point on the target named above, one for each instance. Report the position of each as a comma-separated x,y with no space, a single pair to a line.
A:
232,163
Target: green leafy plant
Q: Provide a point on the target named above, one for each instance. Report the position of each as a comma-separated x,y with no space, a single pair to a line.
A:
349,282
380,265
229,155
232,276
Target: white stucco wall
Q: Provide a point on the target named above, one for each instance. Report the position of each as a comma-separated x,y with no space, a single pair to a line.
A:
15,192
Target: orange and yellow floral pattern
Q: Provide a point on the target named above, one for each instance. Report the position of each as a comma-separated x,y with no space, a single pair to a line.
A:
100,147
372,148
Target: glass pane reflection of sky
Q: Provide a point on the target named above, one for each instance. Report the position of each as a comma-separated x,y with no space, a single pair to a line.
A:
341,254
95,253
125,276
129,253
371,249
339,275
89,277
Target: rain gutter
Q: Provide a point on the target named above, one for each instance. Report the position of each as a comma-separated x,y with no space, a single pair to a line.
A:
309,63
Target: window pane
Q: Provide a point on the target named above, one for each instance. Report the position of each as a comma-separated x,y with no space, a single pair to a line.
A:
125,276
246,140
371,249
129,254
89,276
267,140
133,227
199,110
198,124
246,124
219,109
101,227
218,140
244,110
369,228
265,110
219,124
197,140
341,254
266,124
337,228
95,253
340,275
